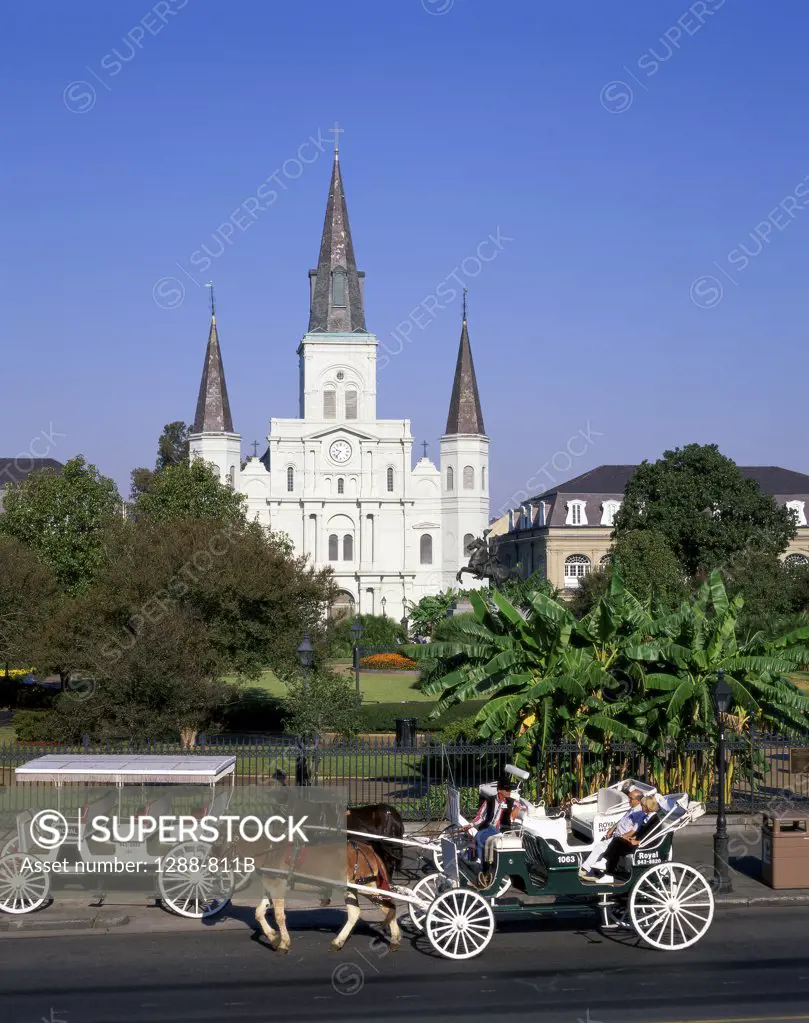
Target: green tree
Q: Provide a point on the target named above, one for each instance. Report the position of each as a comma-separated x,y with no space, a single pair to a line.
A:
704,508
379,632
325,701
180,605
624,671
649,568
172,449
189,490
173,445
28,593
427,612
63,517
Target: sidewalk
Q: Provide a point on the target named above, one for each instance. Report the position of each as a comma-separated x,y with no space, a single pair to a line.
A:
694,846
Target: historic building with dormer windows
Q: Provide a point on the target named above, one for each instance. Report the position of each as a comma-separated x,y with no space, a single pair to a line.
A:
339,481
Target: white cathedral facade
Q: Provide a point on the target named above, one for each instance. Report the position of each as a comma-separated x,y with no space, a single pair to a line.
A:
339,481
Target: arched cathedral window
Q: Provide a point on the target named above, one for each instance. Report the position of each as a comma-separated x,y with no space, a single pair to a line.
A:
334,547
468,477
348,547
351,404
426,549
341,485
330,404
389,479
450,478
290,478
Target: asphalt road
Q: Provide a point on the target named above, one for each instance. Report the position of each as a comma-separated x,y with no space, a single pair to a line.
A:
753,965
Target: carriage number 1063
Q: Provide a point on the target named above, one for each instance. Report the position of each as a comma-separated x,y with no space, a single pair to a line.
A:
211,864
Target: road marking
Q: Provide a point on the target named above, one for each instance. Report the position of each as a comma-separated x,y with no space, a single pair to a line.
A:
737,1019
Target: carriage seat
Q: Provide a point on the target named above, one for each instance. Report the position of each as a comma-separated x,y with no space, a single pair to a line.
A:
610,800
508,840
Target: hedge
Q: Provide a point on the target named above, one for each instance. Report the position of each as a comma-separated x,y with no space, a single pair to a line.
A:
381,717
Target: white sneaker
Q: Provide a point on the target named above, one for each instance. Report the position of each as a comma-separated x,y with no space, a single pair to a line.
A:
606,879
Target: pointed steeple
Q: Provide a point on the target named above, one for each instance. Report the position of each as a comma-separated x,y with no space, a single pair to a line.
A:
336,289
465,415
213,408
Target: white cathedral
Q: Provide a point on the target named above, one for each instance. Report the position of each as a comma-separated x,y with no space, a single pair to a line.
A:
339,481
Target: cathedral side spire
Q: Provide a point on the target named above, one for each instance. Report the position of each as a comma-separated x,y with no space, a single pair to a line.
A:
465,415
213,407
336,284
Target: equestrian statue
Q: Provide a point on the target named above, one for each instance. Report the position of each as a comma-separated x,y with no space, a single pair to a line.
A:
482,563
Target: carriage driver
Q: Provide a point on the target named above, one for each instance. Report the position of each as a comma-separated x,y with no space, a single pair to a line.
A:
495,814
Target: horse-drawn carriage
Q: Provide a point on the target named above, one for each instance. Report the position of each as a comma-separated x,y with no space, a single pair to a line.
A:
75,788
668,904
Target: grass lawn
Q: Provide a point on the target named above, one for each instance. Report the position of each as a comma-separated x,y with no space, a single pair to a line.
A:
801,680
376,686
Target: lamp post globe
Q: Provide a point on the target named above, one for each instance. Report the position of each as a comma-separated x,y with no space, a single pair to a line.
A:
722,699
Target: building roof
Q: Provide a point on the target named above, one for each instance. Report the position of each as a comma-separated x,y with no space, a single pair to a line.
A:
465,415
608,482
336,254
15,470
213,408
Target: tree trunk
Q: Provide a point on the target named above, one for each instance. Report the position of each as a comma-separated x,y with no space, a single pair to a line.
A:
188,736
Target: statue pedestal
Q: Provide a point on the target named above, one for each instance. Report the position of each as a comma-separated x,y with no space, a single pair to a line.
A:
462,606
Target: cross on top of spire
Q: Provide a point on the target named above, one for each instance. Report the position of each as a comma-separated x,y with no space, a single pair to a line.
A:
337,130
465,290
213,302
255,449
424,446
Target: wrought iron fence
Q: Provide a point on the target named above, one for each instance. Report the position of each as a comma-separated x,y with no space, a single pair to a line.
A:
761,770
411,778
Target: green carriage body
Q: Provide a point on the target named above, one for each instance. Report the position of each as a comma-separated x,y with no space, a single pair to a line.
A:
539,869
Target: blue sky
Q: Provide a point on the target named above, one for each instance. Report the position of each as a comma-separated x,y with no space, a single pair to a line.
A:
647,163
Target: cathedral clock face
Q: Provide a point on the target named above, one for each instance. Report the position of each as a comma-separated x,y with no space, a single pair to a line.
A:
340,451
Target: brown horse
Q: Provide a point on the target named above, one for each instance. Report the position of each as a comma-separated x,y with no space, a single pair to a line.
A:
317,865
383,820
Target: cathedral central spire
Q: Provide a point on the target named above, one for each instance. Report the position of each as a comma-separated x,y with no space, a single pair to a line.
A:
336,284
465,414
213,408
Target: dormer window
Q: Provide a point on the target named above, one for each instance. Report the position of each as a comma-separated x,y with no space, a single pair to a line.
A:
576,513
338,288
798,510
609,509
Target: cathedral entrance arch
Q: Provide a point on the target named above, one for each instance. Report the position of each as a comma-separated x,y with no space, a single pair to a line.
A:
342,606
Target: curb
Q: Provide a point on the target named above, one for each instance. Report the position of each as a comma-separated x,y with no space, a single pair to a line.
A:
762,901
101,920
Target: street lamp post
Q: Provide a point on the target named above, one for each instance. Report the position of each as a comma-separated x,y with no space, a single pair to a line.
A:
356,631
722,695
306,655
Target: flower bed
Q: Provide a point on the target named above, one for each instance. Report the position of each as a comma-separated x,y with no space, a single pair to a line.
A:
388,662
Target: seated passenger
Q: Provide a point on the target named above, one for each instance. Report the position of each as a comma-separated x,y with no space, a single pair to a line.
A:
623,845
495,814
628,824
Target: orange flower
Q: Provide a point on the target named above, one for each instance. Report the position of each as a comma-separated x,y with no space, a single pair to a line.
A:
388,662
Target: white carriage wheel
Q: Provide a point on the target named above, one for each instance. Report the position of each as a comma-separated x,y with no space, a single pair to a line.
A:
453,831
11,846
196,893
671,906
427,888
22,890
459,923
